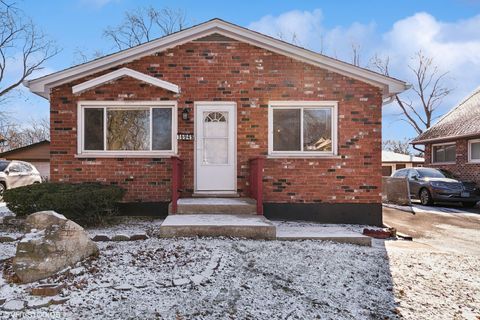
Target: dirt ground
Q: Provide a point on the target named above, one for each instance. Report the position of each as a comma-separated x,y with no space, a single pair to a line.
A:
449,229
435,276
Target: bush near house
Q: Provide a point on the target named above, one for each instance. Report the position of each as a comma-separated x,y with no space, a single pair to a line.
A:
87,204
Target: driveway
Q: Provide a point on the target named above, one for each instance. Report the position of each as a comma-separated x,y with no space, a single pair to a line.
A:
444,228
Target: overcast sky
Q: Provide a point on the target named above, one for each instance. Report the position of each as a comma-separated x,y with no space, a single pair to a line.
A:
448,31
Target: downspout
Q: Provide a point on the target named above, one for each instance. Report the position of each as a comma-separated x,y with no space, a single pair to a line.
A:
414,147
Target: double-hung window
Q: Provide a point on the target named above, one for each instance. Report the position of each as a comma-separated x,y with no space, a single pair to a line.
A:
127,128
302,128
444,153
474,151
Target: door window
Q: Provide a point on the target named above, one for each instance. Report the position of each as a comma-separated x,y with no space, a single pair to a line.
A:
215,138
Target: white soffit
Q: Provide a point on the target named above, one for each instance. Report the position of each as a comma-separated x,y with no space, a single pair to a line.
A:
122,73
390,86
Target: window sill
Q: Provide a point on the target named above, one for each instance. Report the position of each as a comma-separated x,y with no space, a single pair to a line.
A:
123,155
303,156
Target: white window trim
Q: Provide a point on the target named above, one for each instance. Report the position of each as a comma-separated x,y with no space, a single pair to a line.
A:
470,160
82,153
300,105
443,144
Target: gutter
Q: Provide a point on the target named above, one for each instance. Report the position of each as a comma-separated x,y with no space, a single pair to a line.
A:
394,95
446,138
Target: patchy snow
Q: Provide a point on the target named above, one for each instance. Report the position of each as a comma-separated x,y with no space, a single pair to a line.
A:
442,210
7,249
285,232
417,208
435,285
216,220
34,234
251,279
128,226
312,226
230,278
4,211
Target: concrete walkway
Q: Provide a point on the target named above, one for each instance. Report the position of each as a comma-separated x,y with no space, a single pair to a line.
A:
330,233
253,227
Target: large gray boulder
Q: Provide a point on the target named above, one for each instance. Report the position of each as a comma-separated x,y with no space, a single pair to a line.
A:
52,244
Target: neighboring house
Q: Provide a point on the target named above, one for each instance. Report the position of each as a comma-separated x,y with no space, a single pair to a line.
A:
392,161
217,95
453,143
37,154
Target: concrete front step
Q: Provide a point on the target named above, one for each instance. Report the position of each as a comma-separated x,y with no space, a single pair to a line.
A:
217,225
216,195
215,206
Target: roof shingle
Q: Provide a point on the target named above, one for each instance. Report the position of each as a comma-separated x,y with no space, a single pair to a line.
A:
463,120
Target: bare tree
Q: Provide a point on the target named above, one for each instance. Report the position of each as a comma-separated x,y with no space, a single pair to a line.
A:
82,55
355,54
293,38
15,136
144,25
428,86
22,45
398,146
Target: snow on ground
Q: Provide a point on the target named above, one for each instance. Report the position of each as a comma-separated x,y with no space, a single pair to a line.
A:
261,280
432,284
254,279
4,211
417,208
128,226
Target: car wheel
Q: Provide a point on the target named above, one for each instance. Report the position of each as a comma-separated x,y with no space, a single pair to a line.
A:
469,204
426,197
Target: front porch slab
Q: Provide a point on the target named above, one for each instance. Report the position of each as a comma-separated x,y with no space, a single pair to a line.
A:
217,225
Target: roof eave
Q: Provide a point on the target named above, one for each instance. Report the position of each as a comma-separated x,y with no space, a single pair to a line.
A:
390,86
448,138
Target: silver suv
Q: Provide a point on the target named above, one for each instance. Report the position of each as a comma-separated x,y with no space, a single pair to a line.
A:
17,174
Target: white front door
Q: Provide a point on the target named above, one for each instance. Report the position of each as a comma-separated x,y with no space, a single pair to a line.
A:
215,142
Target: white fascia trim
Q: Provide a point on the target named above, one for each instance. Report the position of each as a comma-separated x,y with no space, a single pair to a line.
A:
389,85
121,73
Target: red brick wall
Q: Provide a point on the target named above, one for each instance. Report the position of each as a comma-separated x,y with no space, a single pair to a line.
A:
462,168
251,77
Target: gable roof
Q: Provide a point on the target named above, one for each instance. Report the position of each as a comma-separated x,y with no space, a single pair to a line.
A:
42,86
390,156
12,152
461,121
121,73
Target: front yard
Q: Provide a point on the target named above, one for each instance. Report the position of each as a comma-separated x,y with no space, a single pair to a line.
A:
219,278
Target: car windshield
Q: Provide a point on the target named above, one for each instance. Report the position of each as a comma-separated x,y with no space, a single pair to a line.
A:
4,165
435,173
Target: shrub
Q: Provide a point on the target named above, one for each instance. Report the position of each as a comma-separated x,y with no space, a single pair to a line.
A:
87,204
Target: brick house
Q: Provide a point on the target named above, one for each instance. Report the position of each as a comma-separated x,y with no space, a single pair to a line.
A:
453,143
220,110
